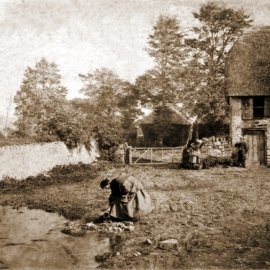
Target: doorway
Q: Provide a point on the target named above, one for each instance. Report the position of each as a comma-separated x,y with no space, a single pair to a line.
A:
255,140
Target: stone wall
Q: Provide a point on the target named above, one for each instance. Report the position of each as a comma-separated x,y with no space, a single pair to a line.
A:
216,146
30,160
236,119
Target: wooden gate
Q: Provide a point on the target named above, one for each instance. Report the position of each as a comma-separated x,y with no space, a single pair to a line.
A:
255,140
155,155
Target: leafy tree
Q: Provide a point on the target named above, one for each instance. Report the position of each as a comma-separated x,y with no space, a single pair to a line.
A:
107,130
149,88
130,111
112,108
109,96
70,126
162,125
43,110
104,89
163,85
40,94
166,46
220,28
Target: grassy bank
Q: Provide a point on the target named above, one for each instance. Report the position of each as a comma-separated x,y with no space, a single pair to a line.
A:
35,192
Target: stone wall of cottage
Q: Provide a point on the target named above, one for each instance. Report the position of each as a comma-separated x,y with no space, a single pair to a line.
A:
21,161
267,134
236,119
238,124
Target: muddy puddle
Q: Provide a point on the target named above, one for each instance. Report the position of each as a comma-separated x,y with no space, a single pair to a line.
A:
32,239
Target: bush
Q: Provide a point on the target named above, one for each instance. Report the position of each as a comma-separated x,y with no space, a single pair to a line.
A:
109,136
212,161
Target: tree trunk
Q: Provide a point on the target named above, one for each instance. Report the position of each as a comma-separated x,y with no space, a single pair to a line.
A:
195,135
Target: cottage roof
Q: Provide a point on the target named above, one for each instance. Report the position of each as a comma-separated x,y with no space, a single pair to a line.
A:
178,117
248,65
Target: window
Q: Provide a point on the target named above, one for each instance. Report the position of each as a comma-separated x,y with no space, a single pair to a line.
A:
256,107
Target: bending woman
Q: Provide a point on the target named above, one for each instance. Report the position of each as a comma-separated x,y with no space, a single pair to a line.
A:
128,199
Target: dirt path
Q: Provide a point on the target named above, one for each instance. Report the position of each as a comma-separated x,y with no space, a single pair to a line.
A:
220,216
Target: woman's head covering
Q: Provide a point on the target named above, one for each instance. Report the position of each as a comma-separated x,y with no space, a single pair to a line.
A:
104,183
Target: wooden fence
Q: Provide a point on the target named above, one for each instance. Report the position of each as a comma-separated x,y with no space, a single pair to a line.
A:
155,155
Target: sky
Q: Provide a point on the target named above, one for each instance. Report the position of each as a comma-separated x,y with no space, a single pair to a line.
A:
82,35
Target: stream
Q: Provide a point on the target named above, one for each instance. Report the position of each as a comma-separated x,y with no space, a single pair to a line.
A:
32,239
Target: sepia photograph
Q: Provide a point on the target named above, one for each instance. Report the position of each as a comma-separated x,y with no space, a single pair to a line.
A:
134,134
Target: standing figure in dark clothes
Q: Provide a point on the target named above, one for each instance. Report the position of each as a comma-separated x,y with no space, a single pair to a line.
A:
242,150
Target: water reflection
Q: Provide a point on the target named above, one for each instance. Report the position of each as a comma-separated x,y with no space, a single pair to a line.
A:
32,239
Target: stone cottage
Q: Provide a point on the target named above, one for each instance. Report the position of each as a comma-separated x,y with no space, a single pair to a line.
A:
248,91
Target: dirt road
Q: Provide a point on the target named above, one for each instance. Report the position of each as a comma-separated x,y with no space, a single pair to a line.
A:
220,217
